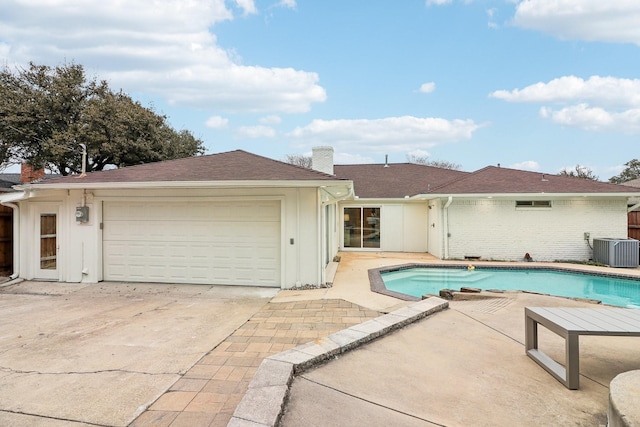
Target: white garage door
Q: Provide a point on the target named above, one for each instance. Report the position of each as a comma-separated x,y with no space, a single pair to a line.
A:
233,243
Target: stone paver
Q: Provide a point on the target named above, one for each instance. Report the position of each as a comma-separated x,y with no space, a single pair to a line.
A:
208,393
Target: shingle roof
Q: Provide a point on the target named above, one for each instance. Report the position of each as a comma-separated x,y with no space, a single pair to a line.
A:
632,183
8,180
235,165
497,180
395,181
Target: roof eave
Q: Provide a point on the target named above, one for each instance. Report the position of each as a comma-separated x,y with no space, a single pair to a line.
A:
512,195
187,184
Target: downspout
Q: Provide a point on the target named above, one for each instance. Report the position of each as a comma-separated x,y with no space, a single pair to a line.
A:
16,239
322,236
445,210
297,241
322,230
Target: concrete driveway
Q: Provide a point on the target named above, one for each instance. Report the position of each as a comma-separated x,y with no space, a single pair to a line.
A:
99,354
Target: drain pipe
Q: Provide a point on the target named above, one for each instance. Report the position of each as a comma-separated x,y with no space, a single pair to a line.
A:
445,210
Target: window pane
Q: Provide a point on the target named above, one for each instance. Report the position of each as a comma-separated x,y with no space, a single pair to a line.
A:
352,228
48,242
371,228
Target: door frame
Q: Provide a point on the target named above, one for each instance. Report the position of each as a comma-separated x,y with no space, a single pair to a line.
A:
39,210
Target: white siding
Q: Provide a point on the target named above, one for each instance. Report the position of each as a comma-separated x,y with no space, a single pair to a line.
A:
403,226
415,227
496,229
81,245
392,228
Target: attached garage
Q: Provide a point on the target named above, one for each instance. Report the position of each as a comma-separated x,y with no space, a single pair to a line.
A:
231,218
224,242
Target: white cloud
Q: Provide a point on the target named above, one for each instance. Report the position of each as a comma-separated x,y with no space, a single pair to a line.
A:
590,20
255,132
595,104
383,136
491,15
341,158
419,153
166,50
248,6
438,2
427,87
270,120
291,4
528,165
599,90
594,118
217,122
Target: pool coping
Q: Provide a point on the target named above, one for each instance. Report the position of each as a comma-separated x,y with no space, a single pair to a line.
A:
377,283
264,402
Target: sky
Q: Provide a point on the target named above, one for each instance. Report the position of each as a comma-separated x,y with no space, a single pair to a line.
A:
537,85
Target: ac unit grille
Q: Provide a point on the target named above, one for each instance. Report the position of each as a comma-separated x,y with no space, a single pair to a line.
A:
616,252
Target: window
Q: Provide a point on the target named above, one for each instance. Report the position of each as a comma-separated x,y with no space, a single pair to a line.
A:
533,203
48,242
362,227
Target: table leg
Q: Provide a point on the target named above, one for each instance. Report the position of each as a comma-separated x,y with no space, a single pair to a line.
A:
572,366
531,334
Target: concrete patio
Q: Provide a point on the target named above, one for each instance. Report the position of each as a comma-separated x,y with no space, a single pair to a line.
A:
173,355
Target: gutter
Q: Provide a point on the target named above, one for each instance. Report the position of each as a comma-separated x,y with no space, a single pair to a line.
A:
349,195
183,184
537,195
445,210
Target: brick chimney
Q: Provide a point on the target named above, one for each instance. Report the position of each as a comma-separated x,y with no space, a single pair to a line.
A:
322,159
27,174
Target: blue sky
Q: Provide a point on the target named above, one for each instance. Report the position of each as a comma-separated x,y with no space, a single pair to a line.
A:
537,85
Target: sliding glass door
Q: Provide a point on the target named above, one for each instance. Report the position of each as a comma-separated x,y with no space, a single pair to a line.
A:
362,227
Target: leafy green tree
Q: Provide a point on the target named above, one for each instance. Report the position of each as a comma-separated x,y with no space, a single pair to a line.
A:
424,160
632,171
583,172
46,113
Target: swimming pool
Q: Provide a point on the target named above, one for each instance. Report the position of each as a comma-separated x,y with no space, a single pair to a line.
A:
418,281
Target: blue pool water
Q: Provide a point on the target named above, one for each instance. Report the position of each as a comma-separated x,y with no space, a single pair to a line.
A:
610,290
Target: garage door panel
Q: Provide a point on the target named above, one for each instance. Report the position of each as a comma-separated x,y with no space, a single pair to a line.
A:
208,242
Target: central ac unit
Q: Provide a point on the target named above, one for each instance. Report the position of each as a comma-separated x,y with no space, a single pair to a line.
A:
616,252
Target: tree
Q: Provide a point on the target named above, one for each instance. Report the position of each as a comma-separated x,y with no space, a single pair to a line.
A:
632,171
299,160
46,113
579,172
424,160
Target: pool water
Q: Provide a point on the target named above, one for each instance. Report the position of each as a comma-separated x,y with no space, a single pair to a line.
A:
608,289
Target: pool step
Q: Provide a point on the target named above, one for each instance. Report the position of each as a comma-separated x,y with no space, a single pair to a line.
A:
453,277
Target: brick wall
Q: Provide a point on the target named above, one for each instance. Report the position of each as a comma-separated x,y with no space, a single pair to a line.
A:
496,229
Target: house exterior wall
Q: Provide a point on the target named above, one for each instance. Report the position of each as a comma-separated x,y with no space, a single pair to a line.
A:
496,229
435,237
403,226
80,253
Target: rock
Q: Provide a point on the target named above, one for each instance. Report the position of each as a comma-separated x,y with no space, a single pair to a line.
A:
471,290
446,293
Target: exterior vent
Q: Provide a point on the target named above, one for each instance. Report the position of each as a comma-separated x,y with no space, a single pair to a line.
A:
616,252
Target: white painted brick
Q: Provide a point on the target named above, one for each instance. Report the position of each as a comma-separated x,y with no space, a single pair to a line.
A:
495,229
